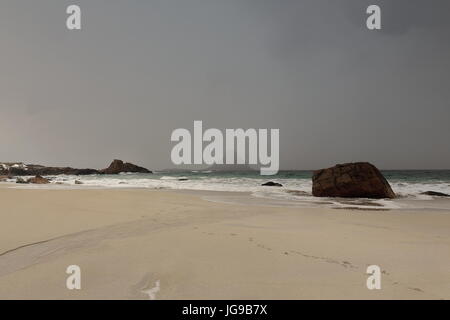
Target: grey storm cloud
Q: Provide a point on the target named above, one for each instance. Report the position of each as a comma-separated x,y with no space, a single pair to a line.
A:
138,69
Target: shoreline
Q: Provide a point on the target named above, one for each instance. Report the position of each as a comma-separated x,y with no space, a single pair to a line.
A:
438,204
126,240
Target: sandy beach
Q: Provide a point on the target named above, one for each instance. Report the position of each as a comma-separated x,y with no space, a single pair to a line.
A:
126,240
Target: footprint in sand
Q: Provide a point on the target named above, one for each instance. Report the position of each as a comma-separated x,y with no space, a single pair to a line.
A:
415,289
263,247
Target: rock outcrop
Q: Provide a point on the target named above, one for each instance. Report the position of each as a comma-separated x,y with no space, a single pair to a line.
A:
19,169
351,180
38,170
118,166
53,171
38,180
435,194
21,181
272,184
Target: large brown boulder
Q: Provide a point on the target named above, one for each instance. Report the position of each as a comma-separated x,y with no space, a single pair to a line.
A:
118,166
38,180
351,180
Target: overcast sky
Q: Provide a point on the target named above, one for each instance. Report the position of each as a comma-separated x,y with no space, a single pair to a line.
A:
139,69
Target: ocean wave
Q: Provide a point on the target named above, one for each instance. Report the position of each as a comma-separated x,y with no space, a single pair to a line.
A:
171,178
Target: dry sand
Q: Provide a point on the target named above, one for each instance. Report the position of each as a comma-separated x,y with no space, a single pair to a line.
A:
127,240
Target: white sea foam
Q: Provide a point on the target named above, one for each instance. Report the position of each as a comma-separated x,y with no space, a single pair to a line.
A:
168,178
414,190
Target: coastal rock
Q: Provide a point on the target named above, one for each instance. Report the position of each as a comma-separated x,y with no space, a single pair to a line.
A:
115,167
50,171
4,178
118,166
5,167
78,182
129,167
272,184
21,180
20,169
38,180
435,194
351,180
298,193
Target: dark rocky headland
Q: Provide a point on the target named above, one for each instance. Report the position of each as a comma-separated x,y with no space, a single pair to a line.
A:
20,169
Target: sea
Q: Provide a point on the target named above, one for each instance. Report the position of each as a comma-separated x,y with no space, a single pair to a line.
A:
297,185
